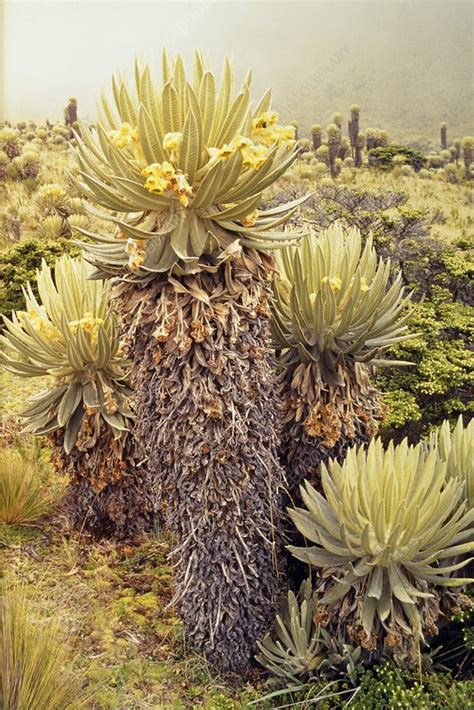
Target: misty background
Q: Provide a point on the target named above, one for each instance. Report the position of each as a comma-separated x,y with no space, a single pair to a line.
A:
408,64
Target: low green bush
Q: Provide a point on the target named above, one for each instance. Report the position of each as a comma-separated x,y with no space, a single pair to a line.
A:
386,686
439,384
383,157
19,263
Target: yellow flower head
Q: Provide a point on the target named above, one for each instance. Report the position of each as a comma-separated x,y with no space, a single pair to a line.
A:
283,134
275,134
38,319
156,184
254,156
226,151
53,191
334,282
168,170
158,176
268,118
229,149
172,141
161,177
181,186
135,246
250,219
126,135
240,142
151,169
88,324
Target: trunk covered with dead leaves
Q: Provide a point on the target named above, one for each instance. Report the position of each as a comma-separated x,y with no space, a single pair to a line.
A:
320,421
207,420
110,491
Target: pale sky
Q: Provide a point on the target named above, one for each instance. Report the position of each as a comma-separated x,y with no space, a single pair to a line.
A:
318,56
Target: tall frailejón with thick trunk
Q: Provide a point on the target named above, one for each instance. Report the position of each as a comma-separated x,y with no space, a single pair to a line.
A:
335,313
184,167
71,336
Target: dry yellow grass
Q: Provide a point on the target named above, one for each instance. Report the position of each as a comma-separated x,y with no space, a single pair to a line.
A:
37,671
28,491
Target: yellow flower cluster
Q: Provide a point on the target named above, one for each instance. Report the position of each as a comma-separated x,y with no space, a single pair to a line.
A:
334,282
250,219
266,119
88,324
253,156
267,131
161,177
135,249
40,322
172,141
125,136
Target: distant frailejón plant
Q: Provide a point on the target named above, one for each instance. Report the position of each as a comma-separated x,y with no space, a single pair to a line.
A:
443,129
353,127
70,112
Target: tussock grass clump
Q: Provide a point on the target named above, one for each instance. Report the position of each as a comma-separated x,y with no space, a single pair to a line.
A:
26,493
36,669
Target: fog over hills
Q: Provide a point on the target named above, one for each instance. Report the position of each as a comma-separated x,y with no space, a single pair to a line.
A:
408,64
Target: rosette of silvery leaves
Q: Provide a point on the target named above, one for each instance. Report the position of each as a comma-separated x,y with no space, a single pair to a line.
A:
182,169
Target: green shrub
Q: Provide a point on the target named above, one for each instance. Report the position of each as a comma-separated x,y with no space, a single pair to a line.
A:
386,686
438,385
383,157
19,263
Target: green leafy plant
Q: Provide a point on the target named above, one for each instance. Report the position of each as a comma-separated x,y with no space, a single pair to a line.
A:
384,531
302,650
299,648
334,301
387,686
70,334
439,383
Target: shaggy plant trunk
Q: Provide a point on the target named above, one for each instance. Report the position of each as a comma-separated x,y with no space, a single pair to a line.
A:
207,419
110,490
321,422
